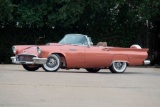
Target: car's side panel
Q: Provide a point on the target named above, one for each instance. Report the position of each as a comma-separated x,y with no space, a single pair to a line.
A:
97,57
118,57
74,55
132,56
137,57
91,57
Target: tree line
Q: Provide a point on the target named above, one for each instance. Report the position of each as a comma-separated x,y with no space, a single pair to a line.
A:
118,22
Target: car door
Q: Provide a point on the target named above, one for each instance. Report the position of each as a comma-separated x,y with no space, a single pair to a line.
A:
75,56
97,56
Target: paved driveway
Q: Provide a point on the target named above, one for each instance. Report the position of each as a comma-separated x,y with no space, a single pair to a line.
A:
137,87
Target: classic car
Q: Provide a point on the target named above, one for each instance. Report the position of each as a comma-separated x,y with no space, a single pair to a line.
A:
77,51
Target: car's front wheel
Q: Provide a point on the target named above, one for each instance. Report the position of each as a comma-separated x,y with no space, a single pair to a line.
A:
53,63
93,70
118,67
30,67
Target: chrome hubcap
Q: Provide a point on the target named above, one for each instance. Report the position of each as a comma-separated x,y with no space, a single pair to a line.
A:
119,65
52,62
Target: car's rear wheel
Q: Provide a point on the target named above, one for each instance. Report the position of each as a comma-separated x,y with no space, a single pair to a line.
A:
53,63
118,67
93,70
31,67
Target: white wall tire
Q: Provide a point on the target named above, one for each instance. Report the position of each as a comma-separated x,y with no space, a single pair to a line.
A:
53,63
118,67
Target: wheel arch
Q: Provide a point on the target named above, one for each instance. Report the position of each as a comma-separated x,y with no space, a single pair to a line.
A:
120,58
120,61
63,58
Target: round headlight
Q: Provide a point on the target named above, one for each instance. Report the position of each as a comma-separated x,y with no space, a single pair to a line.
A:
39,50
14,49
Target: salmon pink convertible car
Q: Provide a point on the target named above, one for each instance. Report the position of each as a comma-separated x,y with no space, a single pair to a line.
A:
76,51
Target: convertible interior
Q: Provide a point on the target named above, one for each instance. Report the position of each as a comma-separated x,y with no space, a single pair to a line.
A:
104,44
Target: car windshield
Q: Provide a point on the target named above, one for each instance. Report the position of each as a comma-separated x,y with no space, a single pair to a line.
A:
75,39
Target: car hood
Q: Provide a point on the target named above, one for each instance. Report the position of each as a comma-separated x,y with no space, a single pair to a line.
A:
30,50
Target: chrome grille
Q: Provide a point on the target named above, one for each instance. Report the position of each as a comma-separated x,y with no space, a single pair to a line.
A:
25,58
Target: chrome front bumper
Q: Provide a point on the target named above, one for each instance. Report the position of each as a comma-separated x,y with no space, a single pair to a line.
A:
146,62
36,60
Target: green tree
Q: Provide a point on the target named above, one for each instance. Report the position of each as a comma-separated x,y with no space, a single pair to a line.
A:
5,10
119,22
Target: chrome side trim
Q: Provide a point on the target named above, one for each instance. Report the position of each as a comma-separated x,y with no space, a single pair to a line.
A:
146,62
